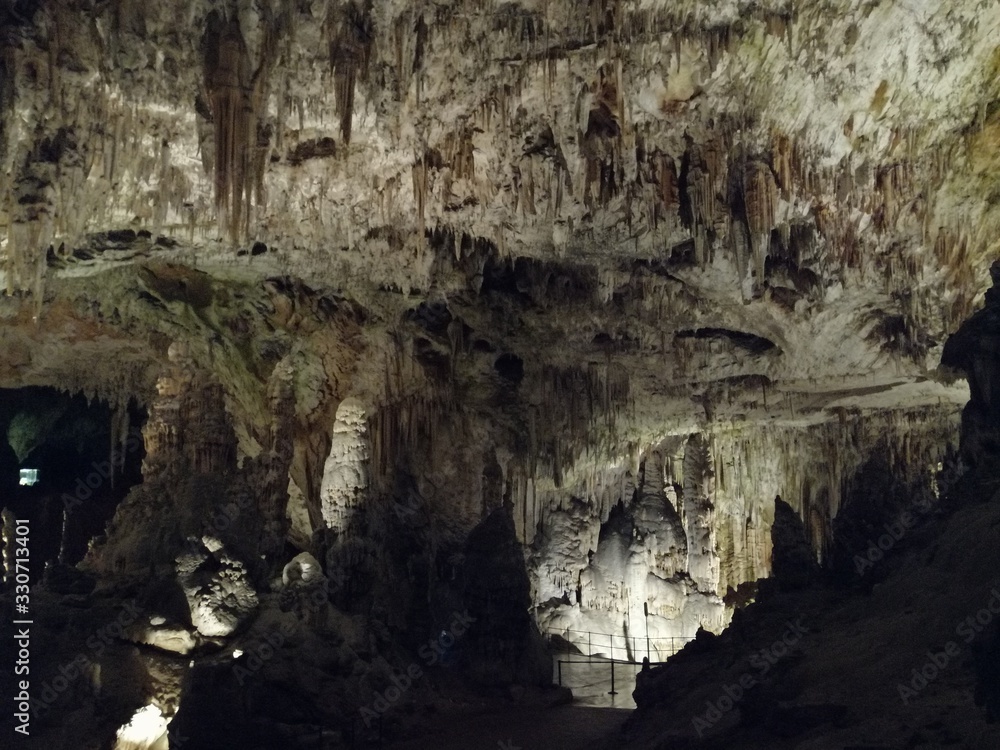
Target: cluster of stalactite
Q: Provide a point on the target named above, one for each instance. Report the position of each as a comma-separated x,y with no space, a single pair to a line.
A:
699,182
574,402
350,37
721,188
760,196
237,91
227,81
401,429
680,528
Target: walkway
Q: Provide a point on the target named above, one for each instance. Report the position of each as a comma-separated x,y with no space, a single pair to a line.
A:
590,680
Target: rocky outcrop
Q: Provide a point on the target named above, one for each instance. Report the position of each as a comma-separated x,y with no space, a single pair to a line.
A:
502,645
793,561
975,351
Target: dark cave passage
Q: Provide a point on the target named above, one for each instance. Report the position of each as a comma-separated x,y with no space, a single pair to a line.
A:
65,465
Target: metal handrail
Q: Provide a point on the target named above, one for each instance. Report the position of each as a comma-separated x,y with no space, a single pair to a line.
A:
611,662
636,642
603,660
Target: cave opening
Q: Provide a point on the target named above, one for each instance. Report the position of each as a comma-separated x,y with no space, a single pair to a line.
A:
66,462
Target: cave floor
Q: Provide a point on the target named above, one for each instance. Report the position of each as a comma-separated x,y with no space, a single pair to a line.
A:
590,681
517,728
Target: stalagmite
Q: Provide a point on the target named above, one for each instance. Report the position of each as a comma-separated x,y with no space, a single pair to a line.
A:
346,474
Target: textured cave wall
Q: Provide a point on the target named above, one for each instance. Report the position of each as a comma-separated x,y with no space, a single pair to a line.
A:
789,149
682,526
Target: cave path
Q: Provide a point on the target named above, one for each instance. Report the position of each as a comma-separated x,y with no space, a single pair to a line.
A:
561,728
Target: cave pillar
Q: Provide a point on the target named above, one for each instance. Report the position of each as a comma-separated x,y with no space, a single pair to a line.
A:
699,491
272,498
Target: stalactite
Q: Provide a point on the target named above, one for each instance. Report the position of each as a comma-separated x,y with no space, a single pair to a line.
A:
237,97
227,74
419,174
459,153
701,190
761,197
29,237
895,185
666,178
351,36
785,161
8,95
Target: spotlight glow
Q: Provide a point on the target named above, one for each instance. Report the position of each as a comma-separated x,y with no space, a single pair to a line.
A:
147,730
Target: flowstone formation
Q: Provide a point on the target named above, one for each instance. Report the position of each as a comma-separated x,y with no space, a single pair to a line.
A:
589,286
652,555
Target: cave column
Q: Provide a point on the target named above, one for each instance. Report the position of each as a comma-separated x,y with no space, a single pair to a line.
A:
699,491
273,495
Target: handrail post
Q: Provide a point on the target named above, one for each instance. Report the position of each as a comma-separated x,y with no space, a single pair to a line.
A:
613,691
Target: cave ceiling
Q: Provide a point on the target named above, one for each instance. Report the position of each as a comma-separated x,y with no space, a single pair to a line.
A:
686,211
